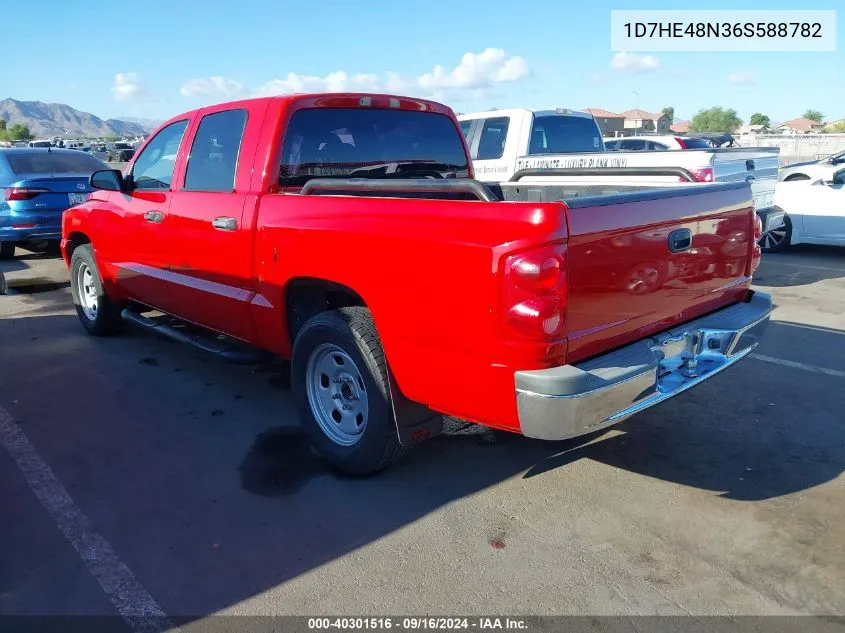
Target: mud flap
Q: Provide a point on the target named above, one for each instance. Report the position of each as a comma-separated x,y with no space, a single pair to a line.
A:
415,422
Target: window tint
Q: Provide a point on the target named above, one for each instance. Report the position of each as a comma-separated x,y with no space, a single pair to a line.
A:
560,134
697,143
653,145
632,145
43,162
466,126
370,143
154,167
214,153
611,145
493,135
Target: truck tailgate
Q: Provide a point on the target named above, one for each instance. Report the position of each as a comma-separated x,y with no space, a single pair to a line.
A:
642,262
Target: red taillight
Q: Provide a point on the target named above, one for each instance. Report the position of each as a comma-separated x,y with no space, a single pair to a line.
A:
680,142
705,174
756,251
535,293
22,193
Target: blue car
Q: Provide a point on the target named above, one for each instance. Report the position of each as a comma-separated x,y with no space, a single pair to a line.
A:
36,185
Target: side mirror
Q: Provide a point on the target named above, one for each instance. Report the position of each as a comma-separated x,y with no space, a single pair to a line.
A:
108,180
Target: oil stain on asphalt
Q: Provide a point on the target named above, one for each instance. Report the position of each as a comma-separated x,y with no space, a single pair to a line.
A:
280,462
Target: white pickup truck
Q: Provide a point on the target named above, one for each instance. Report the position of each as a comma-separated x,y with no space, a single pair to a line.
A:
546,146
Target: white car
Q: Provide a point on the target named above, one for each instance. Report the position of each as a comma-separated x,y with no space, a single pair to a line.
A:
814,212
654,142
823,168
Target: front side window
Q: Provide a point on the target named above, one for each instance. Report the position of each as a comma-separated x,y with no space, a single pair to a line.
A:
214,152
466,128
370,143
154,167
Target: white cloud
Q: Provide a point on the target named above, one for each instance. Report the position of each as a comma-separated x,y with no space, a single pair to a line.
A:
127,87
474,72
741,78
481,70
634,63
337,81
211,87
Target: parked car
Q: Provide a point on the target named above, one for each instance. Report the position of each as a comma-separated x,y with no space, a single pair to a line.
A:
512,144
823,168
345,232
36,185
121,153
656,142
814,212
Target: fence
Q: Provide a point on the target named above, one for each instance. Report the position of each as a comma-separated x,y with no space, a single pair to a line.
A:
796,148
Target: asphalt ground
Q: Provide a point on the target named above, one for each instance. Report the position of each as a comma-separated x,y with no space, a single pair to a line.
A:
139,476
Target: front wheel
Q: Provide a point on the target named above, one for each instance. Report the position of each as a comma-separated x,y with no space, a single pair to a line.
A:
7,250
340,384
98,314
777,239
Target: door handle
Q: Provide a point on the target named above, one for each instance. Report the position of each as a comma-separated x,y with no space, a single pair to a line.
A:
224,224
154,216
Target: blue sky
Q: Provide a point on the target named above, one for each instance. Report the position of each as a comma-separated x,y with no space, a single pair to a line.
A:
156,58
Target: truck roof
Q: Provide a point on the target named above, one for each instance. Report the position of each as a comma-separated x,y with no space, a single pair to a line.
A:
330,100
521,111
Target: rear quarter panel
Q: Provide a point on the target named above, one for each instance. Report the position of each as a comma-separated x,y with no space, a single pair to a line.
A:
429,271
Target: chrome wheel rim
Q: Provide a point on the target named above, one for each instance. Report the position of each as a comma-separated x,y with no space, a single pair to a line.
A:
87,291
337,394
775,237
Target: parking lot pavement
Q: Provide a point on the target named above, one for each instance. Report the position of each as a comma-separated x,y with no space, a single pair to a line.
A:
192,474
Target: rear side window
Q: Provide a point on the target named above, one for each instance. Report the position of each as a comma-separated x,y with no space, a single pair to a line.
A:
560,134
491,145
653,145
214,153
697,143
633,145
370,143
44,162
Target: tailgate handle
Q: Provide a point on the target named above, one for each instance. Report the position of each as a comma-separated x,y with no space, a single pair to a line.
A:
680,240
749,165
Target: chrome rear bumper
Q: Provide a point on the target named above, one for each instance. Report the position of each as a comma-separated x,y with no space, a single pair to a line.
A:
572,400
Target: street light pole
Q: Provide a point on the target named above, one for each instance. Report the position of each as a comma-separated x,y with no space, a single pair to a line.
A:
637,110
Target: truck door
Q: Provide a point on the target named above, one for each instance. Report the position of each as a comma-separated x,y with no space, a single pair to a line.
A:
211,222
138,226
824,209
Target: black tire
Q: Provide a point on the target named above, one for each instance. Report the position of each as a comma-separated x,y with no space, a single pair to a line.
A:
778,239
352,330
107,320
7,250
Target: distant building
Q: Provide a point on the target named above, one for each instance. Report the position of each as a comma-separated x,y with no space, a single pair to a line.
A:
638,121
679,127
800,126
610,123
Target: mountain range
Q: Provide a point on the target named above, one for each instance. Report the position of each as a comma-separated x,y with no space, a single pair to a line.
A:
58,119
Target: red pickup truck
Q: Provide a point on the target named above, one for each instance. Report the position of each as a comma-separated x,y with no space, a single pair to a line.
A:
345,232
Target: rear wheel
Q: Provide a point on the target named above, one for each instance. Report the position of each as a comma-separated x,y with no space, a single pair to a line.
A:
7,250
777,239
340,383
98,314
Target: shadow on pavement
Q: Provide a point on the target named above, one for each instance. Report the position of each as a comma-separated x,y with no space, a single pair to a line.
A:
800,266
753,433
